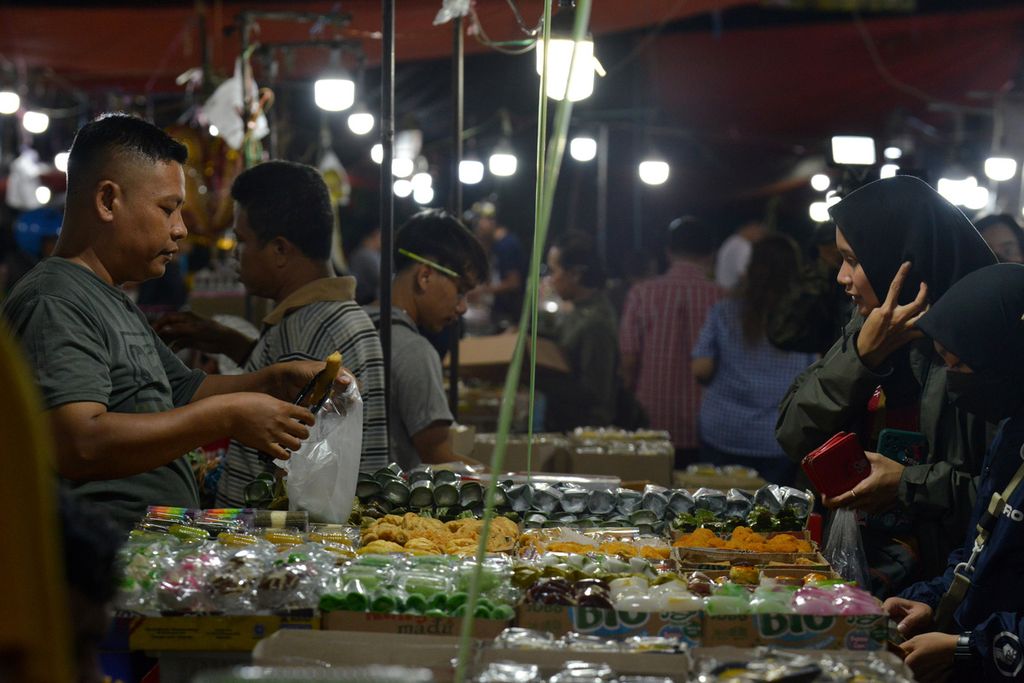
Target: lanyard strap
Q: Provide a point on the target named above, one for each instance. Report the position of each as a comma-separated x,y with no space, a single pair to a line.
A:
957,590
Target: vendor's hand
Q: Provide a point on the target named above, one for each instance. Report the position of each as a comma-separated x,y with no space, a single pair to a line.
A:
891,326
286,380
188,330
267,424
913,617
930,656
877,492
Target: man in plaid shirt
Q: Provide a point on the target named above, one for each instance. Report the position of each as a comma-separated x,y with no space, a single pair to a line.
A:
660,324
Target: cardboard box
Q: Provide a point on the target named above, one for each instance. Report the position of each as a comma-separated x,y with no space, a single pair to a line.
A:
656,469
410,624
560,619
796,631
354,649
675,666
682,480
338,648
488,358
210,633
549,455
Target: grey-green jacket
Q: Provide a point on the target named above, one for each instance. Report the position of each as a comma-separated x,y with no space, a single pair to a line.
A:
832,395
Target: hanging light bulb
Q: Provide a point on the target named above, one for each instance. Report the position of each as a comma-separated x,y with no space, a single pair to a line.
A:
60,161
503,161
334,94
560,84
820,182
360,122
471,171
583,148
892,153
9,102
423,195
377,153
653,172
214,131
1000,168
43,194
403,188
402,167
888,171
422,180
819,212
35,122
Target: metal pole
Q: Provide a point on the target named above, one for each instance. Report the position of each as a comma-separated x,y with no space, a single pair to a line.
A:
387,202
602,192
455,197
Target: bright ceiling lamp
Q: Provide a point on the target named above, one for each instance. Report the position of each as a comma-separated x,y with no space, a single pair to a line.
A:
832,198
402,167
60,161
423,195
360,122
421,180
893,153
819,212
888,171
560,85
214,131
583,148
43,194
853,150
1000,168
335,90
471,171
976,198
377,153
653,172
503,161
958,191
820,182
403,188
9,102
35,122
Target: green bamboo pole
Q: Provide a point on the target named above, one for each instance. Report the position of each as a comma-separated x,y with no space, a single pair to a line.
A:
538,245
555,153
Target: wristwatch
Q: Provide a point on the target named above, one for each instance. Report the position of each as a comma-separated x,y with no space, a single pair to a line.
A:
963,657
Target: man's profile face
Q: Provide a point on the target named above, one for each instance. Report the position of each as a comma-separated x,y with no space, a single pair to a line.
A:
148,220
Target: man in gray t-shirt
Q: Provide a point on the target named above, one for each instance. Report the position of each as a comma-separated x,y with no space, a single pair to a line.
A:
437,261
122,408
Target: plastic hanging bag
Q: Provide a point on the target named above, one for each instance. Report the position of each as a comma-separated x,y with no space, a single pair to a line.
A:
322,474
451,9
844,548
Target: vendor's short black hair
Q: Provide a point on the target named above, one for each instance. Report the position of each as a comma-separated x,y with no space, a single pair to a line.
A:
117,134
577,251
689,235
438,236
289,200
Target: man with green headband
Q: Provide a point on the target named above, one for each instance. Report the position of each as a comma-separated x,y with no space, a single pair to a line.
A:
437,262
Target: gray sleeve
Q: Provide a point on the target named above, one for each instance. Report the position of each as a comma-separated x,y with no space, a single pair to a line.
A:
65,349
417,383
184,382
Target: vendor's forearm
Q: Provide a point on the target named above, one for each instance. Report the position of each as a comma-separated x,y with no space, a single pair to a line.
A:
263,381
95,444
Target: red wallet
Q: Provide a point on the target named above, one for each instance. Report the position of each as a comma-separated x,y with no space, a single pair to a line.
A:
837,465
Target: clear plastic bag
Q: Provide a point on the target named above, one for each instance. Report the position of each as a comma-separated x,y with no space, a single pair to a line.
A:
451,9
844,548
322,474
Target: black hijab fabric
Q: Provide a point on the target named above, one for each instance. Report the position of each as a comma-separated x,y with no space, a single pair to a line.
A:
902,219
981,320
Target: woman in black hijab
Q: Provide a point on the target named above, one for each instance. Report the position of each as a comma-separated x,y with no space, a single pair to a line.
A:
978,329
903,245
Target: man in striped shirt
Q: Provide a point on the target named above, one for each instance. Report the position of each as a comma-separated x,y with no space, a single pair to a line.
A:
283,224
660,324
